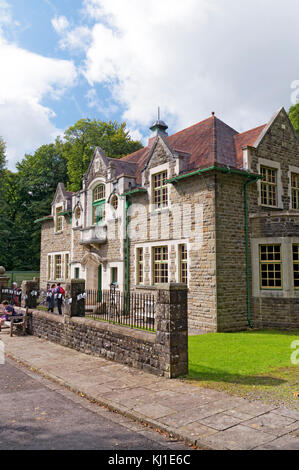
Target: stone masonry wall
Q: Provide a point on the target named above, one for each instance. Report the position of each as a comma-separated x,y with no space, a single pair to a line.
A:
193,193
231,254
162,353
52,242
276,308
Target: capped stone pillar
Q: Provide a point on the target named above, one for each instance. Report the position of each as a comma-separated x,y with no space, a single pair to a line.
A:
171,320
74,299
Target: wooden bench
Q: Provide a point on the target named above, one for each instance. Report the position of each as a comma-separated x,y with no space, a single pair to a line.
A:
12,324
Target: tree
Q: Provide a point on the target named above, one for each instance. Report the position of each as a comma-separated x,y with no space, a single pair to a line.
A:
4,230
81,139
294,117
27,194
2,154
30,192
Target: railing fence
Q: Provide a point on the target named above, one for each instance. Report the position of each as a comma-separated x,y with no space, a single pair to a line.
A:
136,310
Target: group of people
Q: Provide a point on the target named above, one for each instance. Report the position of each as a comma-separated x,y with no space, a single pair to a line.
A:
7,308
55,293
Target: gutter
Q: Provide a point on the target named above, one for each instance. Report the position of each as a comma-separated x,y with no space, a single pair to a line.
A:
128,204
65,213
251,178
43,219
134,191
248,284
212,168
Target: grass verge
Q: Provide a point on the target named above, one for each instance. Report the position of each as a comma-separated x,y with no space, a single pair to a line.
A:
253,364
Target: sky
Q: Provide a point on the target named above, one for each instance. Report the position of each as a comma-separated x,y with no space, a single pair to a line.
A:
63,60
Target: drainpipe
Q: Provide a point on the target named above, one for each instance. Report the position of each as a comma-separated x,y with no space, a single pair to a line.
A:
128,204
247,182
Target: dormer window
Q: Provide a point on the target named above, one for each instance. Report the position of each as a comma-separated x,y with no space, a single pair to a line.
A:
160,190
98,204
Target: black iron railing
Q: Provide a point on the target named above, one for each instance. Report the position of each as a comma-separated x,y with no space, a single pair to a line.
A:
135,310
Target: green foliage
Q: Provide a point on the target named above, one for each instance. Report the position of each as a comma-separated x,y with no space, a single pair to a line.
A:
81,139
26,195
294,117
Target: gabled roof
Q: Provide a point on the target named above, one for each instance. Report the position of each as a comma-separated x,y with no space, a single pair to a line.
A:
208,143
246,139
66,194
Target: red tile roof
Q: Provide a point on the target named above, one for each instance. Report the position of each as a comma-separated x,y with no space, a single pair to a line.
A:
247,138
209,142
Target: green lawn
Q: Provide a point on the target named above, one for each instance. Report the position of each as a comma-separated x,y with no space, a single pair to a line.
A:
256,364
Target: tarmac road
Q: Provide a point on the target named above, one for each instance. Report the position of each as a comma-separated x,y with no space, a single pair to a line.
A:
36,414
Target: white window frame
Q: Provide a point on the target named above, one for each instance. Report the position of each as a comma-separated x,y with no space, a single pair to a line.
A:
288,290
152,172
57,206
63,261
170,245
275,166
292,169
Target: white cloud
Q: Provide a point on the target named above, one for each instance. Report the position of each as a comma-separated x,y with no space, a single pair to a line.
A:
25,80
5,14
60,24
193,57
72,38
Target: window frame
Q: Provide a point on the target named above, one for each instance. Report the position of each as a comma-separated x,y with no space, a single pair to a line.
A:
49,267
98,187
295,263
98,204
183,262
58,219
268,262
114,279
159,263
139,266
268,185
66,266
57,278
158,190
114,199
294,189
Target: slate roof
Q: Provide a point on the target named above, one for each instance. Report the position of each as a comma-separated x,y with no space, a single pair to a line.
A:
209,142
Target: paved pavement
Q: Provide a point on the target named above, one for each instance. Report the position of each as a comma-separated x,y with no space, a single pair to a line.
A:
36,414
207,418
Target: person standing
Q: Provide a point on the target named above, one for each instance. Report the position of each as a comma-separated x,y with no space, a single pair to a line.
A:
15,299
60,293
51,298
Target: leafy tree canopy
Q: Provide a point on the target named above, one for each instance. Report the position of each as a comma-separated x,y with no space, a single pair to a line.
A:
294,117
81,139
27,194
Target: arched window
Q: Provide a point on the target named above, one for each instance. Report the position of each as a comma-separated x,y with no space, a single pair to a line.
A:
98,204
99,193
114,202
77,212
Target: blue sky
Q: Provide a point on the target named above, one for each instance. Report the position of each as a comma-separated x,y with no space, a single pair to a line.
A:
63,60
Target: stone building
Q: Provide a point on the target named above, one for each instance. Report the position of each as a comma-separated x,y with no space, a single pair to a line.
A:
207,206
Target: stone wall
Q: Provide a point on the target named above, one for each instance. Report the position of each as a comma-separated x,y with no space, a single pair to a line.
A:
231,253
52,242
275,308
194,198
162,353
